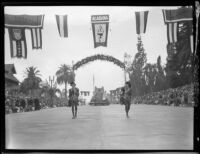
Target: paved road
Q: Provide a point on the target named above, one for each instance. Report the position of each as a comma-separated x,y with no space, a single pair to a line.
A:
102,127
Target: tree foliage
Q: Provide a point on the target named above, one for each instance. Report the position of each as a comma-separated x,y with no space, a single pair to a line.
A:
31,81
179,62
65,75
136,70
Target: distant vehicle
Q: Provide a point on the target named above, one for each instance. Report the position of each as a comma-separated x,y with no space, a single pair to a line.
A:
98,98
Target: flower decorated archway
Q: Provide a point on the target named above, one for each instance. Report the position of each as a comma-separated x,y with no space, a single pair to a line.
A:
98,57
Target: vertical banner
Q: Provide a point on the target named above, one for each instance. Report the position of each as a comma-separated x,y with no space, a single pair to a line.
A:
141,21
36,36
100,24
17,24
62,25
18,46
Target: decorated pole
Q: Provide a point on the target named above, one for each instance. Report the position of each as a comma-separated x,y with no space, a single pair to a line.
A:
141,23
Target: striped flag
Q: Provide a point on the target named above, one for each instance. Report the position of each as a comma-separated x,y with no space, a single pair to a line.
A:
16,25
36,36
172,31
141,21
18,46
62,25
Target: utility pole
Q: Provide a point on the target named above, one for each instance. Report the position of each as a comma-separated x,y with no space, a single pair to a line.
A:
125,56
197,22
93,83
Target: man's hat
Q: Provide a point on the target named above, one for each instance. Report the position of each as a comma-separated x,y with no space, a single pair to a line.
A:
72,83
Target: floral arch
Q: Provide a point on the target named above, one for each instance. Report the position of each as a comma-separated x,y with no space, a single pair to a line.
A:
98,57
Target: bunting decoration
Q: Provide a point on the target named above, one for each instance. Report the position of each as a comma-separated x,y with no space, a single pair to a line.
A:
100,25
62,25
173,18
17,24
141,21
177,15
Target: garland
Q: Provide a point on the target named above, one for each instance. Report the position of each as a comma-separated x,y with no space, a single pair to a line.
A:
98,57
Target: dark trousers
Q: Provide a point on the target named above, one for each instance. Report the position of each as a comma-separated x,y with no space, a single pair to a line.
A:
127,107
74,108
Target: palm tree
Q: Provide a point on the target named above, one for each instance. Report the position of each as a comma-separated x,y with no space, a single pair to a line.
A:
32,80
65,75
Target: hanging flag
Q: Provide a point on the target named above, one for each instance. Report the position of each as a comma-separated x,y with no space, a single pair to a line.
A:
100,25
177,15
18,46
172,31
36,36
141,21
16,25
62,25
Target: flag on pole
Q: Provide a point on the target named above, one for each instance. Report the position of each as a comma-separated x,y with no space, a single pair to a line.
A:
141,21
177,15
16,25
62,25
172,31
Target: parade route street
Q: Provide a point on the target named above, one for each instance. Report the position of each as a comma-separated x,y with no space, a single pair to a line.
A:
102,127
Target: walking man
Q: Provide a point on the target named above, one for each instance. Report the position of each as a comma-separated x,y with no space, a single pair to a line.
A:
73,98
127,97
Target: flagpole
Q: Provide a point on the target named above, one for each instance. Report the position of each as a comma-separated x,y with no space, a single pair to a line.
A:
197,21
124,68
93,83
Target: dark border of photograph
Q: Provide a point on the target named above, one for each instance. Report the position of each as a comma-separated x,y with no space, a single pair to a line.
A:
101,3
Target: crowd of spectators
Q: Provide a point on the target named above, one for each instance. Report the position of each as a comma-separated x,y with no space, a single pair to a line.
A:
14,104
181,96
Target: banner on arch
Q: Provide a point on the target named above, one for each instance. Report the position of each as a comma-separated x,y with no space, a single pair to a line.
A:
100,24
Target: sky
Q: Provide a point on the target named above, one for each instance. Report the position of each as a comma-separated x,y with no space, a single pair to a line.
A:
122,38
